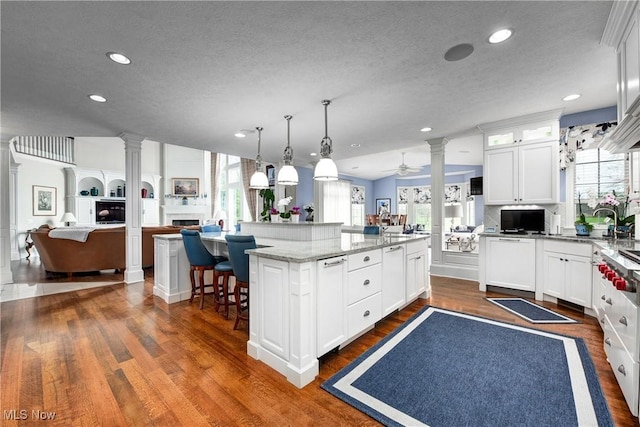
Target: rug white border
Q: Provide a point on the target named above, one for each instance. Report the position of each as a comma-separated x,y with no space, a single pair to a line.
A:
496,301
585,411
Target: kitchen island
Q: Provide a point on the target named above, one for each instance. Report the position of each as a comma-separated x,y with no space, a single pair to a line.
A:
309,297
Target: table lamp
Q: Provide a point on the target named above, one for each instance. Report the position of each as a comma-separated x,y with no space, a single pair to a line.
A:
68,218
453,211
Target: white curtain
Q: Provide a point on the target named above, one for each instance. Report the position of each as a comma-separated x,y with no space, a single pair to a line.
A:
333,203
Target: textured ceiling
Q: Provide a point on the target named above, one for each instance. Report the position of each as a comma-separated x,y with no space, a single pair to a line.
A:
203,70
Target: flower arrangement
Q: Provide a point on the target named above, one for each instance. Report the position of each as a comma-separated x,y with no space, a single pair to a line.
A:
283,203
619,204
273,211
295,210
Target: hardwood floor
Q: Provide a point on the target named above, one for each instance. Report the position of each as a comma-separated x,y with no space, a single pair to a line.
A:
116,355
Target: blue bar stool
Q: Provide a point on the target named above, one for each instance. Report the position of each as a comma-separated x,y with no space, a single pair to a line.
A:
200,259
239,260
222,270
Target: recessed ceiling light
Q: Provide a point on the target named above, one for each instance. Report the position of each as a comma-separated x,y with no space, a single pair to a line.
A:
571,97
458,52
98,98
500,36
313,154
239,135
355,145
119,58
427,129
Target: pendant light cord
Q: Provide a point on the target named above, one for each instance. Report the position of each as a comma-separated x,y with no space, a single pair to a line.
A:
326,145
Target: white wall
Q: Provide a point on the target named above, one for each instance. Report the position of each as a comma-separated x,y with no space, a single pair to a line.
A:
183,162
90,153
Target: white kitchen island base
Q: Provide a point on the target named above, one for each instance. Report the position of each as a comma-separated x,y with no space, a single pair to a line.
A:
309,297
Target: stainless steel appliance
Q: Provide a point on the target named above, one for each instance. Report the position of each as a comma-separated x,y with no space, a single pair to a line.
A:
622,269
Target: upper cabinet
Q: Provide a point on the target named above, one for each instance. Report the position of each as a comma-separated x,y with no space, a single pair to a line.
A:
525,134
521,160
622,32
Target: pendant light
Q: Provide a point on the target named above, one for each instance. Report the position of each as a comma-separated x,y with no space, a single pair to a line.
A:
259,179
288,174
326,169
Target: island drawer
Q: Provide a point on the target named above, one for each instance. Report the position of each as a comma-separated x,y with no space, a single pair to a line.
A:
364,259
416,246
623,366
364,282
364,314
569,248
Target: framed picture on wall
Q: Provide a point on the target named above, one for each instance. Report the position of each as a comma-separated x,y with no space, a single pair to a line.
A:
271,175
44,200
185,187
383,206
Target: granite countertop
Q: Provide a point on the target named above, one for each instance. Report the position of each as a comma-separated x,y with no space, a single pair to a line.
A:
304,251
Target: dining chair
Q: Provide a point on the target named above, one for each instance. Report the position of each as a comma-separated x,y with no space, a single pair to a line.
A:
210,228
237,245
201,260
371,229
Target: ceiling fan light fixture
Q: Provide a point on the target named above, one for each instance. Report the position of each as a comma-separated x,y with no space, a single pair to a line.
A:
326,169
259,179
287,175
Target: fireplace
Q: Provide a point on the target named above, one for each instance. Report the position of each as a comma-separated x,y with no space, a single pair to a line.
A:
185,222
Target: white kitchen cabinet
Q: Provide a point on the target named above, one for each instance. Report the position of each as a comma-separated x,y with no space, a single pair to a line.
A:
547,130
393,278
417,275
567,271
622,33
510,262
331,303
150,212
85,211
522,174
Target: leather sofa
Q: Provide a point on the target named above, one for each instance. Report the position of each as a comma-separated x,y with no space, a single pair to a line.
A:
104,249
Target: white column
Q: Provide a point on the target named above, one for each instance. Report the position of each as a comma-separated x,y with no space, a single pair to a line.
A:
437,198
13,206
5,214
133,213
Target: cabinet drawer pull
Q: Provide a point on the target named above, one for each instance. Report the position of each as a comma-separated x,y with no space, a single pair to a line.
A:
393,248
607,341
602,298
329,264
419,257
602,320
366,259
623,320
622,370
509,240
366,313
366,282
608,301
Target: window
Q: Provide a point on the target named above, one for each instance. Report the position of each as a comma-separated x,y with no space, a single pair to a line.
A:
415,202
597,172
334,201
231,190
357,204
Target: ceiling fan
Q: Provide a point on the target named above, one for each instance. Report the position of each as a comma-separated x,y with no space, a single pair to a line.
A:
403,169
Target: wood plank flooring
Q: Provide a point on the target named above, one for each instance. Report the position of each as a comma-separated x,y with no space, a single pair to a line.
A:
118,356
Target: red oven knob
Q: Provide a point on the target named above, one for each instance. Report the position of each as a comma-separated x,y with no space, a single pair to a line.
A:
602,268
610,275
619,283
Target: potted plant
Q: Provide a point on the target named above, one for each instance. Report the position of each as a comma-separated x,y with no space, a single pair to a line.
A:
583,228
273,212
267,201
295,214
282,203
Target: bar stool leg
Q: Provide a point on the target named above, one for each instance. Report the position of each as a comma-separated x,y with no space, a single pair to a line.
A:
193,283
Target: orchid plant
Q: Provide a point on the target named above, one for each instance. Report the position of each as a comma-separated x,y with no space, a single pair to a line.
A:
295,210
282,203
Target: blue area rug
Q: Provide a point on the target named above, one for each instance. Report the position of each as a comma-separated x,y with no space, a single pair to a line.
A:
443,368
529,311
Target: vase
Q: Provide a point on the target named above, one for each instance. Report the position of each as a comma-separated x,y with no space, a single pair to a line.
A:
275,218
295,218
582,230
